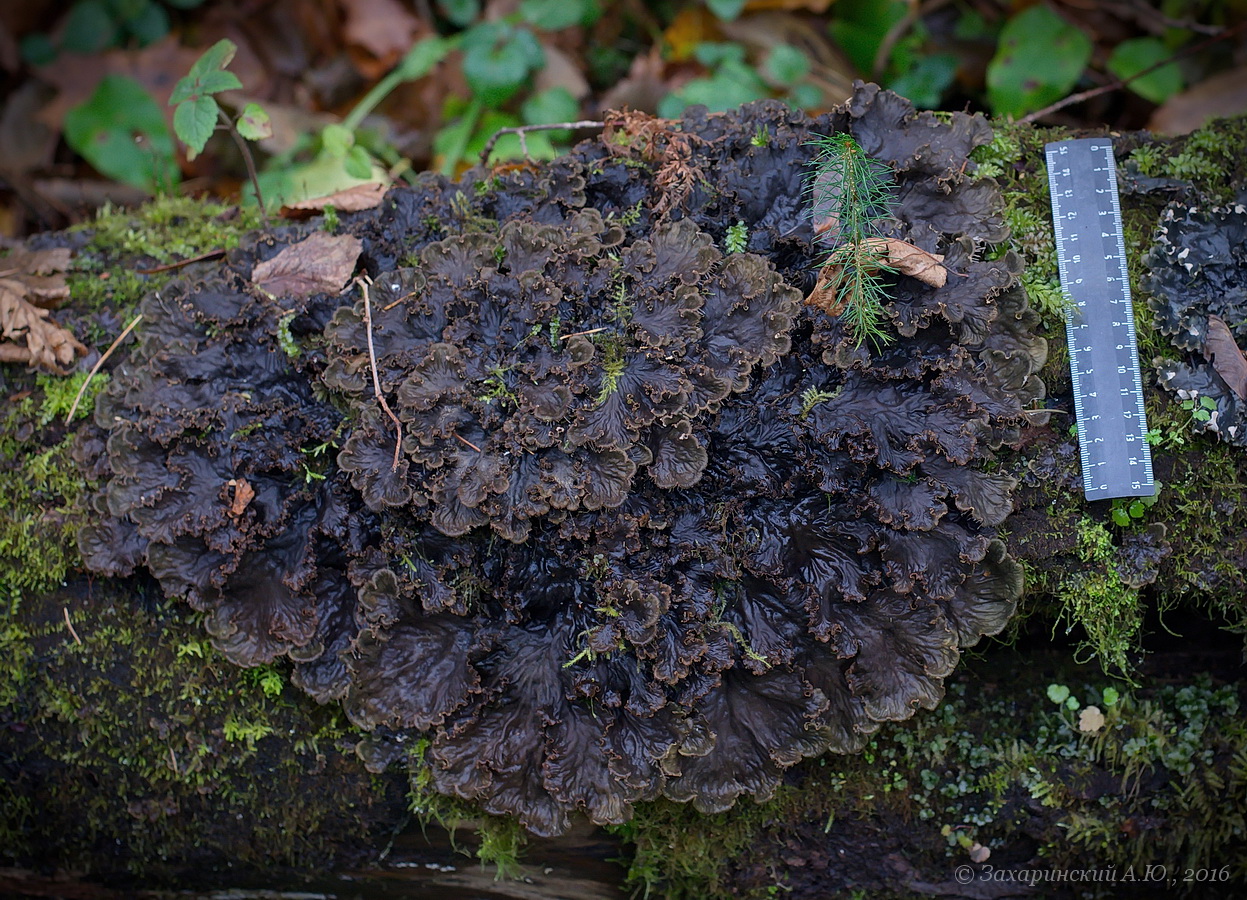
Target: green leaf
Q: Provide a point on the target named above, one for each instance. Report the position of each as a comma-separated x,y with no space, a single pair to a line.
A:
731,85
726,10
1058,693
254,123
554,15
194,121
861,25
121,132
715,53
1120,517
422,57
554,104
149,24
925,82
190,88
460,12
214,59
786,64
358,164
337,140
1111,696
497,59
38,49
1039,58
89,28
1072,704
1136,55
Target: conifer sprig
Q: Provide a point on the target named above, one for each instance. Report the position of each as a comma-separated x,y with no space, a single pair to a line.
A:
850,198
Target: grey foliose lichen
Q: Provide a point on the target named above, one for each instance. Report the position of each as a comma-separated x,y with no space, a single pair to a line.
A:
1197,287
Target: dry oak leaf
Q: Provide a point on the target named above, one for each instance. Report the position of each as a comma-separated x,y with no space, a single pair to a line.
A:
30,282
320,263
901,256
914,262
39,275
244,493
352,199
1226,356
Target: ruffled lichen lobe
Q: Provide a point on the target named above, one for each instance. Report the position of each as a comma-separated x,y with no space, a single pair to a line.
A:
646,525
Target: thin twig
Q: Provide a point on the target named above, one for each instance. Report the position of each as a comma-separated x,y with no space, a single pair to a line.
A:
897,31
376,378
390,306
99,362
466,441
232,127
1122,82
521,130
582,333
174,759
211,254
70,625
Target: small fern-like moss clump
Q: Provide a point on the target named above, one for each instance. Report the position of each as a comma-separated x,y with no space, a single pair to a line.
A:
850,199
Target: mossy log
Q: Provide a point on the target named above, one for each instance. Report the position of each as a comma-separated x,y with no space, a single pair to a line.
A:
136,756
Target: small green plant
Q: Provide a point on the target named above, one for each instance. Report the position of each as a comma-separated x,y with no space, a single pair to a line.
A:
850,196
737,238
1131,509
121,131
197,114
812,396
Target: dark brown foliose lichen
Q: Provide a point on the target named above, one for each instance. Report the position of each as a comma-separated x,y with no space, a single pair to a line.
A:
538,371
655,529
1198,279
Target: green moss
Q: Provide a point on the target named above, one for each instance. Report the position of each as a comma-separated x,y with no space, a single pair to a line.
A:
1210,159
105,273
974,771
679,853
151,746
41,489
169,229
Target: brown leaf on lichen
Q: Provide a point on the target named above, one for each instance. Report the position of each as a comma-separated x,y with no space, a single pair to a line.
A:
1226,356
320,263
244,493
896,255
915,262
352,199
31,283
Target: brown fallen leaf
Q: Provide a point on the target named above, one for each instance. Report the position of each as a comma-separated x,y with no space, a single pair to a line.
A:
38,275
244,493
377,33
902,256
31,282
1226,356
352,199
827,294
914,261
1221,96
320,263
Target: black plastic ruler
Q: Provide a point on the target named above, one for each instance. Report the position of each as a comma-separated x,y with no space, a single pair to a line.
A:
1099,320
